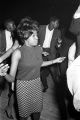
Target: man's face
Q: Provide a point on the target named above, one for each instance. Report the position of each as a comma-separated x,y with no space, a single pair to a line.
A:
53,25
11,26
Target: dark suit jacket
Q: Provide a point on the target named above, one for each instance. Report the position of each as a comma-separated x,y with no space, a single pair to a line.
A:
55,36
2,42
2,51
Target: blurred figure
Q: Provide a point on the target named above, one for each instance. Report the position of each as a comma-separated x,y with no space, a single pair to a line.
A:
73,64
73,78
75,26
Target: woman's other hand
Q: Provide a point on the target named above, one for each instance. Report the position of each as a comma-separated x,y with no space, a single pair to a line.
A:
3,69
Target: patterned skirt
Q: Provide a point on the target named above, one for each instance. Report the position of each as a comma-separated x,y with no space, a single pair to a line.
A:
29,97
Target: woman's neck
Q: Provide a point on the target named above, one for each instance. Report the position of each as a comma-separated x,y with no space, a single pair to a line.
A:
27,44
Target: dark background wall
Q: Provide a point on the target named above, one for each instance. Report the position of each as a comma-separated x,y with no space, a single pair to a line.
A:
40,10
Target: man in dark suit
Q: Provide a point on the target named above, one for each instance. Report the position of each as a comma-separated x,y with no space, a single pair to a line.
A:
7,46
6,41
48,38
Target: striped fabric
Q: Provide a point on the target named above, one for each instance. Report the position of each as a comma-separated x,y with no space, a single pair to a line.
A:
29,97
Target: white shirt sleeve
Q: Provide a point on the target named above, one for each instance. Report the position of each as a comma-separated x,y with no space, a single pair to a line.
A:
9,41
71,54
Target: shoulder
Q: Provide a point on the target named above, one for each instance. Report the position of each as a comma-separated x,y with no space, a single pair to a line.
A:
73,46
42,27
17,54
58,31
2,32
39,48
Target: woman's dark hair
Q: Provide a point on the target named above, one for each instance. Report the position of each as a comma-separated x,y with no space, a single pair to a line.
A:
25,29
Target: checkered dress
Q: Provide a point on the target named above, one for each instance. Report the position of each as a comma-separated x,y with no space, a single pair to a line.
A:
29,97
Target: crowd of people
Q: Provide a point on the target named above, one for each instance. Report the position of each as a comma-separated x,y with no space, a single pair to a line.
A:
29,52
25,63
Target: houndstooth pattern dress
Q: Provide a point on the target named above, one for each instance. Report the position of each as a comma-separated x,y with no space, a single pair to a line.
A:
29,96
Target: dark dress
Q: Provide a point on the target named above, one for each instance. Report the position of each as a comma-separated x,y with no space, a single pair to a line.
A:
29,87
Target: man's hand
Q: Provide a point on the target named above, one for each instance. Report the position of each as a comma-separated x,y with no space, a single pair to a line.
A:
3,69
45,53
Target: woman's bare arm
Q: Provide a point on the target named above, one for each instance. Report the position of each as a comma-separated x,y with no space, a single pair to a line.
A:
57,60
14,64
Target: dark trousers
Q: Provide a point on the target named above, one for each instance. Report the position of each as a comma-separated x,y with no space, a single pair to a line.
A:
60,95
45,71
3,84
59,86
35,116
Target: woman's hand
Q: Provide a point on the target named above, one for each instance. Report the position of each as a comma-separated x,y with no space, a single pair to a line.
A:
60,59
3,69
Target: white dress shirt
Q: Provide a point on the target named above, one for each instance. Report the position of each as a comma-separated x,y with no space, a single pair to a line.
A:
73,77
9,41
48,37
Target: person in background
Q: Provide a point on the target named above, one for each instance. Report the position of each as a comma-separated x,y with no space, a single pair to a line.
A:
26,62
48,38
73,76
73,65
8,43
